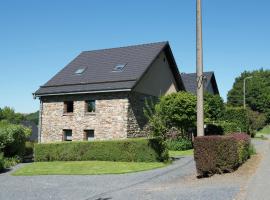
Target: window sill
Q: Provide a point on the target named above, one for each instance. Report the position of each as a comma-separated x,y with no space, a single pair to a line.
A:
90,113
68,114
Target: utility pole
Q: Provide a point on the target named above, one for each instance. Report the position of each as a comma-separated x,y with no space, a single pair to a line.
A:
199,70
244,90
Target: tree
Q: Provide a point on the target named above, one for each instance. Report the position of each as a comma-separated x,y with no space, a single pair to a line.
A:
215,107
8,114
257,91
33,117
12,138
175,110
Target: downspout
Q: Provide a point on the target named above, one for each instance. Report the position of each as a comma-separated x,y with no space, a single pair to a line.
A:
40,121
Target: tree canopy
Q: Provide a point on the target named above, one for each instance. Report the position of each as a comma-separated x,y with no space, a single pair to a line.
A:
257,91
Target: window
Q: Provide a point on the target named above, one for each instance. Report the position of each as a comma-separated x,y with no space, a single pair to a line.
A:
90,106
119,68
68,107
80,71
67,136
88,135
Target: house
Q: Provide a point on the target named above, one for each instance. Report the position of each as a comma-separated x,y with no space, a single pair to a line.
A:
190,82
101,94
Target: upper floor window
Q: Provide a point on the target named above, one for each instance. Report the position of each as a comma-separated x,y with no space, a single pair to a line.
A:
67,135
68,106
90,106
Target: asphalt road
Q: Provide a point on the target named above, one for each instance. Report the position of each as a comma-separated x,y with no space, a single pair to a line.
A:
166,183
258,186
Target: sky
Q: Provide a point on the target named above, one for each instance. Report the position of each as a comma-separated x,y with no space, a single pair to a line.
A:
38,38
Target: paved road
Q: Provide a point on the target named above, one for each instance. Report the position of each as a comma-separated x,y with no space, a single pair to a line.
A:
166,183
177,181
258,186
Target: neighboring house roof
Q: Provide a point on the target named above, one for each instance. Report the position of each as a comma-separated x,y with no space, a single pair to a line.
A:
98,74
190,82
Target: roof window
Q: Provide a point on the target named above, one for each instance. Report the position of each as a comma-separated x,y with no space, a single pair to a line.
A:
119,68
80,71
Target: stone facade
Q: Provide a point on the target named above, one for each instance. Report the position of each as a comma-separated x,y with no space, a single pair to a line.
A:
109,121
137,122
117,116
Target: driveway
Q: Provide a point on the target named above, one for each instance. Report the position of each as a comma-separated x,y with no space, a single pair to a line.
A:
177,181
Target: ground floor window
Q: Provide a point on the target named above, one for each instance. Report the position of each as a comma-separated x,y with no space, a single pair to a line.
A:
67,135
89,135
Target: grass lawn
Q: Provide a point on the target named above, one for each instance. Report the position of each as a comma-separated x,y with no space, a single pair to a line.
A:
85,168
265,130
181,153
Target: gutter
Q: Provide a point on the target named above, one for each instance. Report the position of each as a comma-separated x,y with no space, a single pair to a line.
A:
88,92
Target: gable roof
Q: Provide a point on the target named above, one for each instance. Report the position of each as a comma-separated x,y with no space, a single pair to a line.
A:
190,81
98,74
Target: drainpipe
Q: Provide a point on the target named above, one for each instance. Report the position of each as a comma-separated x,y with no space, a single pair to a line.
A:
40,121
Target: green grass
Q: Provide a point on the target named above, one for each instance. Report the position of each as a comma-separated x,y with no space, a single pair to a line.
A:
265,130
260,137
181,153
85,168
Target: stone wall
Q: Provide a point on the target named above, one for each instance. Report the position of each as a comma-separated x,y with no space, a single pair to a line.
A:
137,122
108,122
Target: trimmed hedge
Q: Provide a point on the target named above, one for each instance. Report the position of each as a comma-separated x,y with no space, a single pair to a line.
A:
220,154
221,128
239,116
128,150
179,144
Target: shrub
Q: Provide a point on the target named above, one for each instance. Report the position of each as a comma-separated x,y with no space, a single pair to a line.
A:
256,121
221,128
174,110
10,162
216,106
219,154
1,162
239,116
29,148
12,139
129,150
179,144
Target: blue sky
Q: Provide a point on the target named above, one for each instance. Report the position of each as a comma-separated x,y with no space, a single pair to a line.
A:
38,38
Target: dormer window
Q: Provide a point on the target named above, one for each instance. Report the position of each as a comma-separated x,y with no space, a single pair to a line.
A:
119,67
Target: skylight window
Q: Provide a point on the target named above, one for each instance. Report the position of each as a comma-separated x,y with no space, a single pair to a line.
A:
80,71
119,68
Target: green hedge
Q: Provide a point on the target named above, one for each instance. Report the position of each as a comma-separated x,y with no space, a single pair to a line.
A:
129,150
239,116
222,128
179,144
219,154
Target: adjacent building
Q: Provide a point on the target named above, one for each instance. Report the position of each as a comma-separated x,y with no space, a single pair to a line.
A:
190,82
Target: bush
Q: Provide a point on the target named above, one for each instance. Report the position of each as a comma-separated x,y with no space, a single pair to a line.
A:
219,154
129,150
179,144
221,128
239,116
12,139
10,162
256,121
174,110
216,107
1,162
29,148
